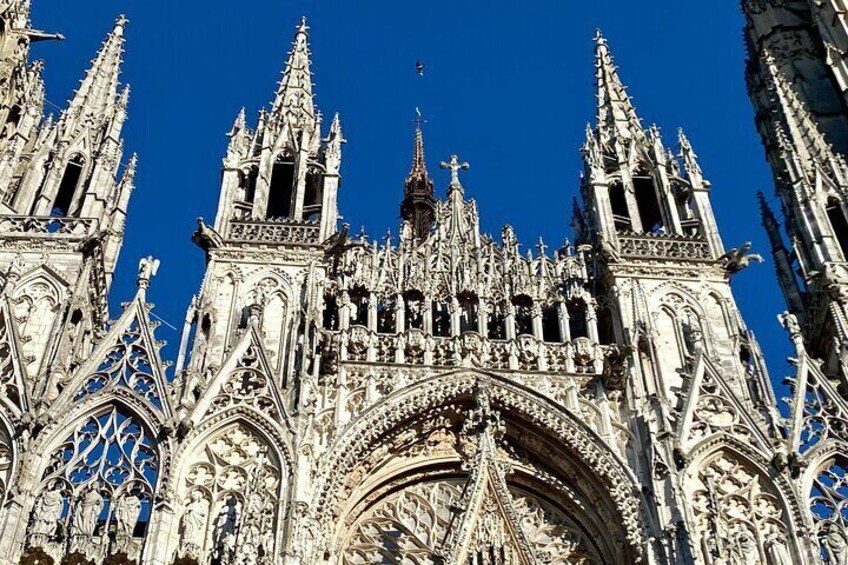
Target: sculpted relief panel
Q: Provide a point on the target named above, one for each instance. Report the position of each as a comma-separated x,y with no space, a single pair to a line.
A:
738,517
230,497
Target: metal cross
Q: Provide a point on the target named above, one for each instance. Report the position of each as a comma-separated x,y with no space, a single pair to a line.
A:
455,166
419,118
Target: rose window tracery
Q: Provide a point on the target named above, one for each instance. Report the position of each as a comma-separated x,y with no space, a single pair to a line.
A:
231,493
96,493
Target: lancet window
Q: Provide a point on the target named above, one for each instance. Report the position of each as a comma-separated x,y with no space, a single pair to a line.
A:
829,508
496,327
230,500
838,224
606,326
312,197
577,324
441,318
523,314
647,201
620,210
280,191
68,187
469,312
247,184
386,315
331,312
551,330
96,494
414,313
359,301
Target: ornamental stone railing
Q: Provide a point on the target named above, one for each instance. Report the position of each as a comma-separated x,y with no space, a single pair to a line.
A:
46,225
282,231
664,247
525,353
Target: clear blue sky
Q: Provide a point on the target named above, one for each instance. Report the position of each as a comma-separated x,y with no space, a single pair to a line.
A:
510,90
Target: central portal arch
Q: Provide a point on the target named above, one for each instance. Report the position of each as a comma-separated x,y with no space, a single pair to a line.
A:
471,468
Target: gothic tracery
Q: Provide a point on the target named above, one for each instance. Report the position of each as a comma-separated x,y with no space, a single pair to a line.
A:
444,397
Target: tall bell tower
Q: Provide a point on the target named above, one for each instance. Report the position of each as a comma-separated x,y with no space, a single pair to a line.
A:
665,273
65,186
277,208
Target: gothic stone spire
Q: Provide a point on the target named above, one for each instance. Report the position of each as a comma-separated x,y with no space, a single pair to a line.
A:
418,204
618,123
98,91
294,105
805,136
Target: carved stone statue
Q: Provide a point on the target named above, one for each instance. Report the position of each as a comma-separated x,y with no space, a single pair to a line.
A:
86,516
147,269
226,527
790,322
837,545
87,512
776,550
127,511
745,550
46,516
194,525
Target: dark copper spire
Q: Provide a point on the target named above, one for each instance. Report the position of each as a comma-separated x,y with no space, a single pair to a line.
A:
418,203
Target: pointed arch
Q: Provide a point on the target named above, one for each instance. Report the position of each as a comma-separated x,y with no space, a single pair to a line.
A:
67,193
737,508
36,302
536,425
825,483
648,200
231,483
100,472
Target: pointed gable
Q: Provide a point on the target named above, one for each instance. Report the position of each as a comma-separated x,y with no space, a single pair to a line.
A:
245,379
126,361
711,407
818,412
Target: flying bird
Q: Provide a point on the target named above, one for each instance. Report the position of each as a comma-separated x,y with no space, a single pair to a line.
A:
419,66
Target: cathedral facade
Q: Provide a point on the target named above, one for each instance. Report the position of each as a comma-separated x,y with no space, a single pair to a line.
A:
443,398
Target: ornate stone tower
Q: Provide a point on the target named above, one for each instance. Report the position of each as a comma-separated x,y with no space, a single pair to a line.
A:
64,210
796,78
61,229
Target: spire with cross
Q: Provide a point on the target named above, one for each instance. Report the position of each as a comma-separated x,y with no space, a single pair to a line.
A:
418,205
